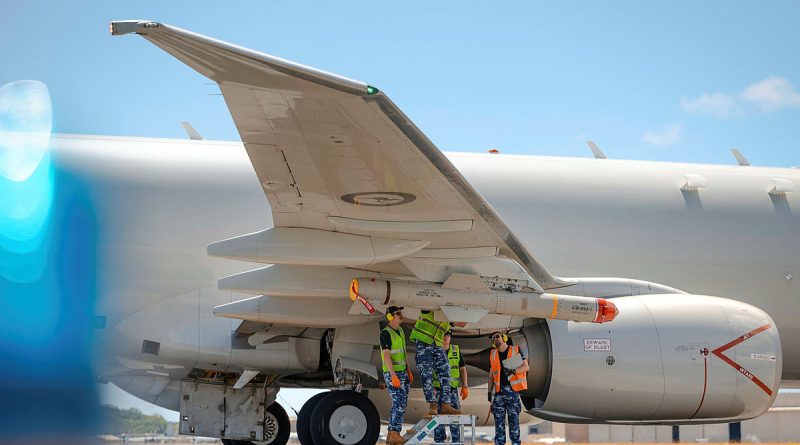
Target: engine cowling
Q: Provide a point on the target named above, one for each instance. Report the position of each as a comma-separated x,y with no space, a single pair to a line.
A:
664,359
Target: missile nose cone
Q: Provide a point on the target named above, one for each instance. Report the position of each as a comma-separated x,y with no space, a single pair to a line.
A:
606,311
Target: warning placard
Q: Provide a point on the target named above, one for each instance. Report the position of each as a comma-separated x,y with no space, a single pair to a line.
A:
596,344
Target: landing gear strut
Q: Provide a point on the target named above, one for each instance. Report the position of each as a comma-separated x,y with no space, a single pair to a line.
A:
339,418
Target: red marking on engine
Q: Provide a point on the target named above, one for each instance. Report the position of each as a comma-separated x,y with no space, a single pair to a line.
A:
719,353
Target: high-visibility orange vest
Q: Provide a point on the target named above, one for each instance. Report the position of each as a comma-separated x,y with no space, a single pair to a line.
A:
518,381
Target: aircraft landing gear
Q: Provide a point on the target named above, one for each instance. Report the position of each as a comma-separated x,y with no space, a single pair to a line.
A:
339,418
303,424
276,428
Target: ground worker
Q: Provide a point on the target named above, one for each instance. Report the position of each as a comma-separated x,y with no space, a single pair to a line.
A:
504,388
395,371
428,335
458,377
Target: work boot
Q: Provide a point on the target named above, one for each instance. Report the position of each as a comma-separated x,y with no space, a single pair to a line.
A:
433,409
409,434
448,409
394,438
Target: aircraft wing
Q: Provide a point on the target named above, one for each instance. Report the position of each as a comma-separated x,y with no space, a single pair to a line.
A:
337,155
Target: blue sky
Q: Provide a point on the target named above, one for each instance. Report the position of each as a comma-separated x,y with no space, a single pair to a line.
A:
674,81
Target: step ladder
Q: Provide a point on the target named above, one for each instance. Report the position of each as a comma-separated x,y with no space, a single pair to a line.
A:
424,428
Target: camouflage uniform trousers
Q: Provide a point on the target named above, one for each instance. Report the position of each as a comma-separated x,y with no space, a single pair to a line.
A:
433,358
439,435
506,402
399,399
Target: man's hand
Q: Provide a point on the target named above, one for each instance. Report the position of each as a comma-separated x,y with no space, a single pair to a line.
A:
395,381
464,393
410,376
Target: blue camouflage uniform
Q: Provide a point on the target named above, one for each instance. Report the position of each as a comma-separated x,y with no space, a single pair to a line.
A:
506,404
399,399
456,361
439,435
428,334
432,358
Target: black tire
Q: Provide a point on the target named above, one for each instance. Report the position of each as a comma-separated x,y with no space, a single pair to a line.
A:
277,426
303,424
351,405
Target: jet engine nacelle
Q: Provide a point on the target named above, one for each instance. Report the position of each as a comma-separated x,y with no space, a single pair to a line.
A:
664,359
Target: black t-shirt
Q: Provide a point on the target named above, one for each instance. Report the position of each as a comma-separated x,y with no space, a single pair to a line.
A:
386,338
504,372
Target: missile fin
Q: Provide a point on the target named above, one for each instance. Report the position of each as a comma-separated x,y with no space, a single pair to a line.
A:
358,308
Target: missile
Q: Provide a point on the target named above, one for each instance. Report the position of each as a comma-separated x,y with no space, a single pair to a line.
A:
467,298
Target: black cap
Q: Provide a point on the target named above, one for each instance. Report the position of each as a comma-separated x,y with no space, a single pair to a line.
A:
393,309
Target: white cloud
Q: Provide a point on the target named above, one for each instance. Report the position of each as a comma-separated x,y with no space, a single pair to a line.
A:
772,94
721,105
768,95
666,136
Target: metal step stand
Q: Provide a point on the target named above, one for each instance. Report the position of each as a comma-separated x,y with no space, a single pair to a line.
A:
424,428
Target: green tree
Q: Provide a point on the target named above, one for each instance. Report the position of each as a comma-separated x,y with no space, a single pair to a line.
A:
119,421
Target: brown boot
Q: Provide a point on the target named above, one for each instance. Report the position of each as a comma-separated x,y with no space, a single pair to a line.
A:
433,409
394,438
409,434
449,409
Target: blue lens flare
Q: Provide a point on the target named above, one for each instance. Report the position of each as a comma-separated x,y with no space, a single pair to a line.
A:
26,179
48,276
26,120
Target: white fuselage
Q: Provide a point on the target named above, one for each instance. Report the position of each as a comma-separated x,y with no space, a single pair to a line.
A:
159,203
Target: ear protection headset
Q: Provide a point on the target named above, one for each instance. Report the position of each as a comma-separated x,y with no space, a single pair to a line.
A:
505,339
389,316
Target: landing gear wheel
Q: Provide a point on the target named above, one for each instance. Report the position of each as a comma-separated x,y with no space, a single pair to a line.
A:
276,426
345,418
303,424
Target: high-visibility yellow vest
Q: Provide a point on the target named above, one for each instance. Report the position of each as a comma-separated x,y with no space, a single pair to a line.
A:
398,351
454,357
429,331
518,381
